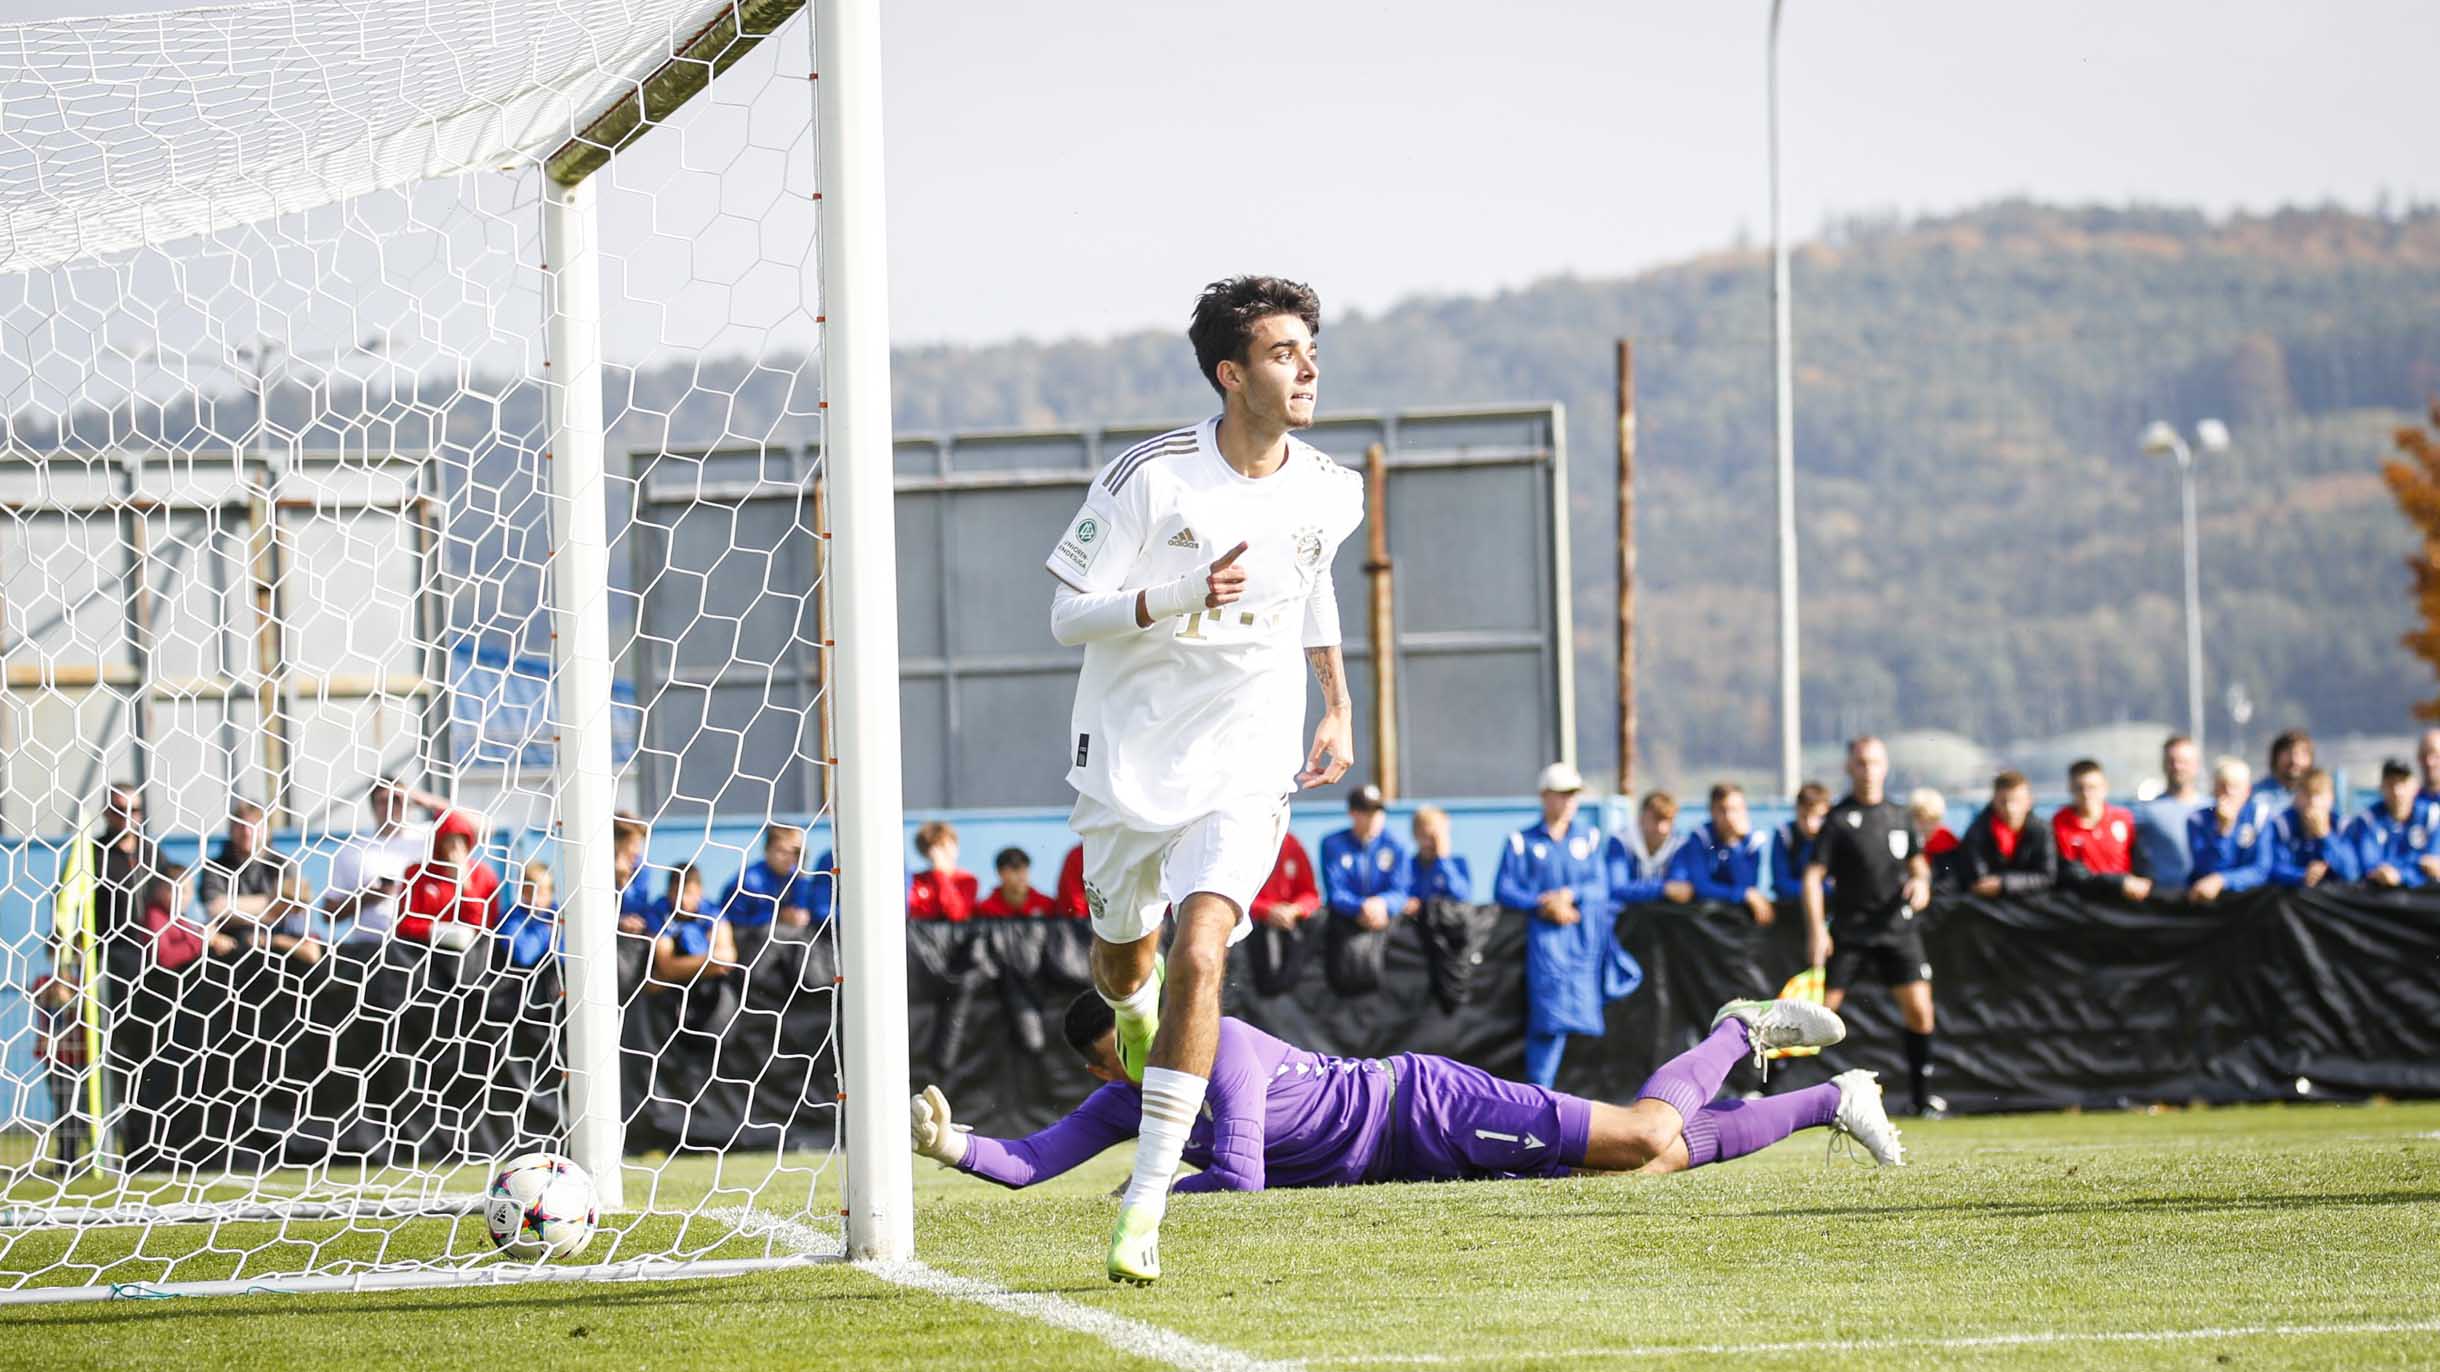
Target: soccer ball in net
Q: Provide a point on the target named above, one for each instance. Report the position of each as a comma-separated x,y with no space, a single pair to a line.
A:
540,1206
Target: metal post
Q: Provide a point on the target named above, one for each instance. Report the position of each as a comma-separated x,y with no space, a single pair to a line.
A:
1791,702
863,574
1383,628
270,657
1626,567
580,642
2194,603
826,795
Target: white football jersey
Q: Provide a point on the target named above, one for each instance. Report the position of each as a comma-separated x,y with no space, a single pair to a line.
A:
1178,720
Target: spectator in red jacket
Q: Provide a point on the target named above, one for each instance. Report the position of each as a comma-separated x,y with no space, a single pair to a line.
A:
1290,897
451,895
1286,901
178,936
1015,896
2096,839
1070,903
940,891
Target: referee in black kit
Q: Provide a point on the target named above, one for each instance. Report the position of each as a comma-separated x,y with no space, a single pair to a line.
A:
1880,880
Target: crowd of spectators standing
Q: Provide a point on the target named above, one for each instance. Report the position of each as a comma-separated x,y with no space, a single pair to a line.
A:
419,920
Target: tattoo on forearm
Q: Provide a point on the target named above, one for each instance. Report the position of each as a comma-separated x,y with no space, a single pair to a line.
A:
1327,673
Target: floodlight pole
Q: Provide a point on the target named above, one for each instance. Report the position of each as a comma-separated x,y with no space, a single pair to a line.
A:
862,584
1791,702
2194,601
2162,437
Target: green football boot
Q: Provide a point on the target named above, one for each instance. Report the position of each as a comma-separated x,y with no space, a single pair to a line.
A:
1135,1247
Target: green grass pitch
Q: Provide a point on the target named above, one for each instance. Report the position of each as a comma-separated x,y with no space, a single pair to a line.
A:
2304,1236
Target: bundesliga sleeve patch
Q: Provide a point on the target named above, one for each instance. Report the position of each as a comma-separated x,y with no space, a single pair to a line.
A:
1081,546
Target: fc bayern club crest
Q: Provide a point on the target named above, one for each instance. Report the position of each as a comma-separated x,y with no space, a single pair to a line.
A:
1309,546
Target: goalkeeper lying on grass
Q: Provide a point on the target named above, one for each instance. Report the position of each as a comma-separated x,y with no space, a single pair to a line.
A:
1277,1115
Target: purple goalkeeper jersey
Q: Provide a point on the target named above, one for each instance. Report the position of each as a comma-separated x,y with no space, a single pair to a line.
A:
1277,1115
1274,1115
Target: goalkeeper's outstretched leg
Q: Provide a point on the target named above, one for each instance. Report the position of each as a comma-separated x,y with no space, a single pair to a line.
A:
1675,1124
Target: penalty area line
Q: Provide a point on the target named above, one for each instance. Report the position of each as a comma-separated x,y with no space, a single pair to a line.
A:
1132,1337
1865,1345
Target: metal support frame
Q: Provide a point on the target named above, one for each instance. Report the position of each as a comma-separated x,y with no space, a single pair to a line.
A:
1381,632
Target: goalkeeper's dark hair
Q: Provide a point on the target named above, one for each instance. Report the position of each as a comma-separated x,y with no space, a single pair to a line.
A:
1227,311
1088,1018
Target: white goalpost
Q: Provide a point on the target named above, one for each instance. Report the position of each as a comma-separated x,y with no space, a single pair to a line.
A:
445,447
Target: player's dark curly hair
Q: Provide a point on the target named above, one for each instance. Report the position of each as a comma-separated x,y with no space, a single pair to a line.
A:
1228,310
1088,1018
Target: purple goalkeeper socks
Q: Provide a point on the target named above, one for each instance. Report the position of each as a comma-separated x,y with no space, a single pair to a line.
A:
1688,1081
1735,1128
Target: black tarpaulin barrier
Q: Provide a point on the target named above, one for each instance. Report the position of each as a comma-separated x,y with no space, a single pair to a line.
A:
2044,1002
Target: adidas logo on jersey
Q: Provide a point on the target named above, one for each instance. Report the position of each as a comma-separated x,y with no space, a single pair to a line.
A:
1184,538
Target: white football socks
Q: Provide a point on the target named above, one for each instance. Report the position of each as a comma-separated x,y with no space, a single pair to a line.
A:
1171,1102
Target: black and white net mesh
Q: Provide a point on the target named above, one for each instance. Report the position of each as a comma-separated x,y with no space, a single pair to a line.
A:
299,493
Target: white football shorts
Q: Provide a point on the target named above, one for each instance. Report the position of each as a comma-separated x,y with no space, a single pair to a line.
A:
1133,876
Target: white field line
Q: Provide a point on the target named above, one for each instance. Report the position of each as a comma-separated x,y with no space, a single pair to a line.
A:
2190,1145
1961,1342
1132,1337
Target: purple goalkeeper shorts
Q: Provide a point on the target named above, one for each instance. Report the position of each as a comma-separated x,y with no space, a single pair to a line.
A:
1452,1122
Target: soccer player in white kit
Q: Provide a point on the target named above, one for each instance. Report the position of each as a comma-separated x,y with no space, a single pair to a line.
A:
1195,576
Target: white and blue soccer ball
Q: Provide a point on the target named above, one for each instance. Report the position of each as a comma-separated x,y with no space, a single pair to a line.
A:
540,1206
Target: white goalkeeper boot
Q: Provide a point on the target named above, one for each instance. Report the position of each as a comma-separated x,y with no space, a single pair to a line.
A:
1783,1024
1861,1117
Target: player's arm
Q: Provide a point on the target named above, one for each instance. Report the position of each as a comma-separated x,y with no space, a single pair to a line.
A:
1817,915
1079,617
1106,1117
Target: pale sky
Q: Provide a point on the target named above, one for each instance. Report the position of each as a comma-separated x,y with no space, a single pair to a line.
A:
1080,168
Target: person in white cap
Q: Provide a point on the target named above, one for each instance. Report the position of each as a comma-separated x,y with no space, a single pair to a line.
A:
1550,873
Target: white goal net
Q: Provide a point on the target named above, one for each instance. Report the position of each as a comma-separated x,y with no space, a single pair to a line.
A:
450,675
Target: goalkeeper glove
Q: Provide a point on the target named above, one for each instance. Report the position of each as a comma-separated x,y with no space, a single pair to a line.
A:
931,1131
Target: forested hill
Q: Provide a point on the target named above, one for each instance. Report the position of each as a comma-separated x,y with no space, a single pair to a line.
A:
1983,547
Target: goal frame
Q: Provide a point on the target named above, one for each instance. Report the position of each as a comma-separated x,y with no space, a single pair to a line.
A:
859,685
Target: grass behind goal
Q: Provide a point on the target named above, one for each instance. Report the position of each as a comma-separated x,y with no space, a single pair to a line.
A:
2184,1239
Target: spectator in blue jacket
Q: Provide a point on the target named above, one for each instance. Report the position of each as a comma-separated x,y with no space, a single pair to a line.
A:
692,944
1365,870
2291,758
1721,861
1792,846
2305,849
639,910
2427,754
775,888
1438,873
1550,873
529,918
2391,839
1636,863
2225,837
